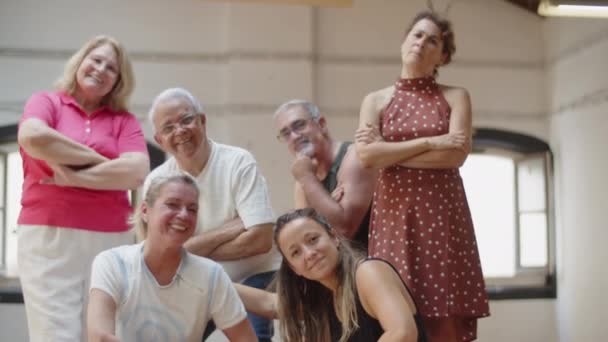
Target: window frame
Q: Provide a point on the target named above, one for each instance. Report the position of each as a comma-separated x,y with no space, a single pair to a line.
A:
521,147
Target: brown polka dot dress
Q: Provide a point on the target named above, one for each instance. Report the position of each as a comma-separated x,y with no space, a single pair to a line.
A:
421,221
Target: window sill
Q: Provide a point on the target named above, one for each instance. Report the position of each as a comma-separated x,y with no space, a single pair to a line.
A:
11,295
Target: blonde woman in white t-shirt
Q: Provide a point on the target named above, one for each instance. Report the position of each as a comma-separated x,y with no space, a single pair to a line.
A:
156,289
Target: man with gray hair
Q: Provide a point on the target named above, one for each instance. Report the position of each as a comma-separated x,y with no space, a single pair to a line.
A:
235,217
328,174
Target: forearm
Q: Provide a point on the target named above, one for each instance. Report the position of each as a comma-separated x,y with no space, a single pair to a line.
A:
253,241
123,173
44,143
321,200
208,241
436,159
259,302
380,154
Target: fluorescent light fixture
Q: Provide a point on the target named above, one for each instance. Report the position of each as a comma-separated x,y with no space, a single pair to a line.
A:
549,8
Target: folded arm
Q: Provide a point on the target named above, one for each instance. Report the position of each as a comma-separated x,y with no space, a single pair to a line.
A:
43,142
460,122
207,242
249,242
372,150
128,171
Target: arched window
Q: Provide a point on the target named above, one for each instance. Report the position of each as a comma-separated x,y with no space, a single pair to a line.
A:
509,184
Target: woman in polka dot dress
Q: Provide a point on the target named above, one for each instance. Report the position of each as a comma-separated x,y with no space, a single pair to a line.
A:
417,133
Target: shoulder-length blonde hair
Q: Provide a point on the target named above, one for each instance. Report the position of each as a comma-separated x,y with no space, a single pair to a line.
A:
117,99
304,305
153,192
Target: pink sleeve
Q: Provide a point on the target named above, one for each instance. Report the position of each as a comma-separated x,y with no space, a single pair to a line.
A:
131,137
40,106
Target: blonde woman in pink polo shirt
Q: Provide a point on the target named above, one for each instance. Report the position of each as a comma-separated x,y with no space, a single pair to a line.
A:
82,150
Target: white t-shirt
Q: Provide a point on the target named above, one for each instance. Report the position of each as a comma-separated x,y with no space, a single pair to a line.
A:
230,185
147,311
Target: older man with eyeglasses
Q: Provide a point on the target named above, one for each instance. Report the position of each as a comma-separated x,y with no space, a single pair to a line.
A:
328,174
235,216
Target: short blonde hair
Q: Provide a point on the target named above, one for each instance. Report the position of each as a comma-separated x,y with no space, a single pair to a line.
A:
117,99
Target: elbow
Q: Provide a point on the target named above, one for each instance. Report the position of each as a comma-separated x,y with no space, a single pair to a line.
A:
140,169
459,159
365,157
30,137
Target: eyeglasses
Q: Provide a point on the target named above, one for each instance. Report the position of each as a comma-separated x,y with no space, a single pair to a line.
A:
296,127
185,121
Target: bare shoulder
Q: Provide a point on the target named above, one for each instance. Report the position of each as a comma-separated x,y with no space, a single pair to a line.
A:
374,270
378,99
454,94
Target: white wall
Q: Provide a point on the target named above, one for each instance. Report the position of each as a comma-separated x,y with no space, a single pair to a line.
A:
577,70
242,60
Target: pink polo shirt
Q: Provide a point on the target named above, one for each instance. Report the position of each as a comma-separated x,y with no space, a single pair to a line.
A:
107,132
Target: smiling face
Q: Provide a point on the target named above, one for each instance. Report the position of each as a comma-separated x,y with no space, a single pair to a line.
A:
171,219
98,73
180,131
299,131
423,47
309,249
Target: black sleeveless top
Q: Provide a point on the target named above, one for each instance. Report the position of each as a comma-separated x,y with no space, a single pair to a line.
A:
370,329
331,182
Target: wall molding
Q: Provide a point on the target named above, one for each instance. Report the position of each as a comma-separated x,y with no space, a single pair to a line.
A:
236,109
242,55
578,47
596,98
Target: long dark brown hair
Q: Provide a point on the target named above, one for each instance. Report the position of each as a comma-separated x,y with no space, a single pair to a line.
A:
305,305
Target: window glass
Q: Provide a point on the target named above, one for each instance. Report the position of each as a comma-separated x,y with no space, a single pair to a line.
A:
489,181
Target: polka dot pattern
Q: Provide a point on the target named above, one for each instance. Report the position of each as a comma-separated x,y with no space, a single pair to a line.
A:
421,221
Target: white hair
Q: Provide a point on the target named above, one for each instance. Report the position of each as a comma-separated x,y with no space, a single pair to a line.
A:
308,106
173,93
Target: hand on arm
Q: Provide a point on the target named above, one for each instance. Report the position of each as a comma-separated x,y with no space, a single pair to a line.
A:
260,302
373,151
43,142
459,135
385,298
123,173
101,314
355,190
251,241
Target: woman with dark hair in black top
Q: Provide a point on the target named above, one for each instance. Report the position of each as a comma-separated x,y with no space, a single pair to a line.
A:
326,291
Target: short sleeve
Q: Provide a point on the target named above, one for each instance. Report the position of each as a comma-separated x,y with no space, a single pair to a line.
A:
226,307
108,274
131,137
40,106
251,195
